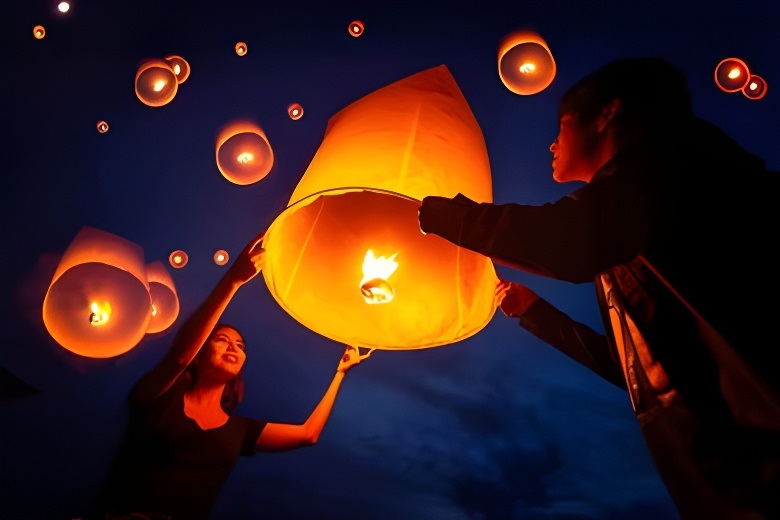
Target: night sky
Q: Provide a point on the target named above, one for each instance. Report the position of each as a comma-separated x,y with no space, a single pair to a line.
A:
496,426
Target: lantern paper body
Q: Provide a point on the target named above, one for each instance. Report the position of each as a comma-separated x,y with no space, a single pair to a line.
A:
362,190
731,75
180,67
100,268
244,155
525,63
165,300
155,83
755,88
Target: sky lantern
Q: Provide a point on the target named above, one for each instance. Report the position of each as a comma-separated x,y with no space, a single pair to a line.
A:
98,304
241,48
221,257
165,299
347,259
525,64
39,32
178,259
180,67
731,74
155,83
244,155
102,126
356,28
295,111
755,88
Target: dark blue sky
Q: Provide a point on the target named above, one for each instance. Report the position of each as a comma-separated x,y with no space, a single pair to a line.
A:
493,427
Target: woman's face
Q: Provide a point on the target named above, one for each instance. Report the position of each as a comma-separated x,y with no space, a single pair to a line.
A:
226,351
574,157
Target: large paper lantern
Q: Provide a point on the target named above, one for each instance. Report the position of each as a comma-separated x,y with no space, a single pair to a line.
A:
156,83
731,74
347,259
244,155
98,304
525,63
165,299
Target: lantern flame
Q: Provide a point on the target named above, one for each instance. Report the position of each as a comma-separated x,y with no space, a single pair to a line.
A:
154,311
245,157
527,68
159,85
99,315
734,73
376,271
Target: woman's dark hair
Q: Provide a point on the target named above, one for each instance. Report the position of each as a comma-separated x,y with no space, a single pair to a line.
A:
233,393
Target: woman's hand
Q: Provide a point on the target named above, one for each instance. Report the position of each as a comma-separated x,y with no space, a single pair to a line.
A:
514,298
250,261
351,358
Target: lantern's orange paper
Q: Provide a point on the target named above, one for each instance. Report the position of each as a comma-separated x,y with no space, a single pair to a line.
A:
165,299
362,190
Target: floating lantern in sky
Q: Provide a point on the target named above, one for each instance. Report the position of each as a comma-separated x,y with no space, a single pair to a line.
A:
63,7
178,259
356,28
165,299
98,304
155,83
295,111
244,155
180,67
39,32
241,48
755,88
221,257
731,75
347,259
102,127
525,63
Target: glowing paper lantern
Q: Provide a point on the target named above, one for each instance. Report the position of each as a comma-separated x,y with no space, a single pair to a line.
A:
98,304
102,127
347,259
731,75
39,32
356,28
155,83
165,299
525,63
63,7
241,48
755,88
221,257
178,259
180,67
295,111
244,155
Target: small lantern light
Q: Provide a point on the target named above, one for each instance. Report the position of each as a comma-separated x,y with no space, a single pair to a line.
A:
244,155
755,88
356,28
295,111
525,63
39,32
165,300
731,75
63,7
98,304
155,83
180,67
241,48
221,257
102,127
178,259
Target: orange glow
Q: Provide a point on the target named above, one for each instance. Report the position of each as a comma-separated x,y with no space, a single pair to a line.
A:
244,155
98,304
731,75
178,259
102,127
374,286
525,64
361,192
155,83
165,299
39,32
241,48
221,257
295,111
755,88
356,28
180,67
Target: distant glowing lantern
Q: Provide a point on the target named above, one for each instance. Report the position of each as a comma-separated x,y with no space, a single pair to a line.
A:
39,32
102,127
180,67
755,88
244,155
63,7
155,83
165,299
731,75
221,257
525,63
98,304
356,28
347,259
178,259
241,48
295,111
